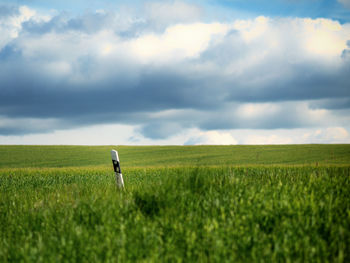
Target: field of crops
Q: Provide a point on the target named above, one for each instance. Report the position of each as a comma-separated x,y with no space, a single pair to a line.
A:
191,204
174,156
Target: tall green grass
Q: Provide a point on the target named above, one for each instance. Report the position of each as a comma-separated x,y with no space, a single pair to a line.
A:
198,214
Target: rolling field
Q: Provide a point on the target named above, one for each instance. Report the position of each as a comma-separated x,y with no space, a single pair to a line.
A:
180,204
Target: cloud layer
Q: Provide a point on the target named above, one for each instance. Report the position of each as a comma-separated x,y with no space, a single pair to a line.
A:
164,73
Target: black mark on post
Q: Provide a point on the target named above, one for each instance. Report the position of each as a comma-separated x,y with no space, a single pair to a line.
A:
116,166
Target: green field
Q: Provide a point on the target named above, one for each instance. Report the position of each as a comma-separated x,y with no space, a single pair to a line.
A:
180,204
161,156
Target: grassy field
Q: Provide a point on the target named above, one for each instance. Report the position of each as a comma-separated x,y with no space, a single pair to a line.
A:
180,204
161,156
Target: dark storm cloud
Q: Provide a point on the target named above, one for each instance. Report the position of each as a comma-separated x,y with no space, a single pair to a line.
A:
160,130
32,95
19,126
306,83
26,95
73,93
332,104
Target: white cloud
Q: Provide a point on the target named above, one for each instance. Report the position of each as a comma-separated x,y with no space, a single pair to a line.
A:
212,138
126,135
270,139
256,110
92,135
11,26
324,37
292,136
327,135
263,40
252,29
178,42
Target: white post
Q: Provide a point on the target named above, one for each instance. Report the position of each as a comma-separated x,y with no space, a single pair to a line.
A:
117,170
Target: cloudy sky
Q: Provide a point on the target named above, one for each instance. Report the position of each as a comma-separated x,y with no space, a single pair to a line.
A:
174,72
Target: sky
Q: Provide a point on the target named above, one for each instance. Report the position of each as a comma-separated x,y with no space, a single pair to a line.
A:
174,72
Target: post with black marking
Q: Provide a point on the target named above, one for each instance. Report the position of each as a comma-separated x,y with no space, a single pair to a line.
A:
117,170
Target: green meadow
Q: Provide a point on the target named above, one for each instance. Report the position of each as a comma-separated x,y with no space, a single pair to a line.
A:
166,156
180,204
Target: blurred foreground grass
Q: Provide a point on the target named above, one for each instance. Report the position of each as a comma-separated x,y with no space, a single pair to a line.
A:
205,204
175,214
